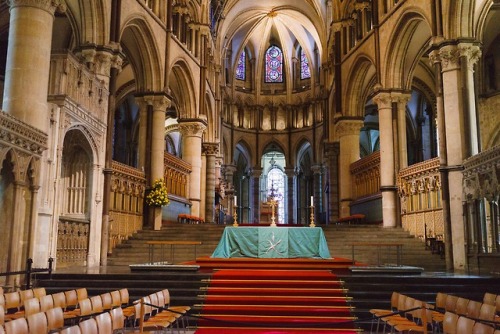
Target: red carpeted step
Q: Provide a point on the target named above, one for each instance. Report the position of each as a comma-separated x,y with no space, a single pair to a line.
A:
265,320
275,291
288,310
274,274
241,330
268,283
275,300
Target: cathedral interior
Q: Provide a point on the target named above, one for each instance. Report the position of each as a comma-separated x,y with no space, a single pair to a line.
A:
382,109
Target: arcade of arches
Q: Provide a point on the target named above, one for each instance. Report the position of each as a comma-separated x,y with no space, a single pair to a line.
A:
386,108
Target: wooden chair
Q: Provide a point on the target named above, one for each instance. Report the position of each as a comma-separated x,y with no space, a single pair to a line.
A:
124,296
473,309
163,310
116,299
450,323
489,298
464,324
377,312
450,306
71,299
26,294
104,323
12,302
96,302
84,309
46,303
71,330
2,315
487,312
117,318
461,306
89,326
107,301
59,300
30,306
82,293
39,292
418,325
2,330
143,318
37,323
480,328
17,326
55,318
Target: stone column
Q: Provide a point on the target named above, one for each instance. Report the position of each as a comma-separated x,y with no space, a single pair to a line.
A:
332,150
401,101
457,132
387,172
143,130
229,177
192,132
318,191
159,105
255,191
210,150
291,213
28,61
348,133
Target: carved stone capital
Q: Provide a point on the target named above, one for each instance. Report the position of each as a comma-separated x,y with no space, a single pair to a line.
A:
49,6
348,127
160,102
192,129
449,56
22,136
383,100
471,52
210,148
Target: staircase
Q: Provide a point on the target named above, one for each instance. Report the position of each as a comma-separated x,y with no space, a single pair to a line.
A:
339,237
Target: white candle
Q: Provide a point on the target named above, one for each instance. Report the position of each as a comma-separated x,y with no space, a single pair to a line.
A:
235,200
312,200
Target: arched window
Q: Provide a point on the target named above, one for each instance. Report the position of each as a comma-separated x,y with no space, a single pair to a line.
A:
241,66
274,64
305,72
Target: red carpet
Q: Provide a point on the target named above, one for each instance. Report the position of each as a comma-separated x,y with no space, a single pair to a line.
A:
265,301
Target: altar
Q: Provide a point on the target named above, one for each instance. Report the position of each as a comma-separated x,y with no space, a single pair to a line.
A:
272,242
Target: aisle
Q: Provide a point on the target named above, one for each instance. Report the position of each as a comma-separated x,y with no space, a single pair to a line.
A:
265,301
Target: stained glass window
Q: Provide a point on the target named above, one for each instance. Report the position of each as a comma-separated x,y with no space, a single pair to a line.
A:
305,72
274,64
241,67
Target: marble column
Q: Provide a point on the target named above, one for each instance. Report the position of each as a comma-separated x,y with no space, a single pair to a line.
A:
457,132
401,102
291,213
318,191
159,104
28,61
192,131
387,172
348,133
210,150
332,151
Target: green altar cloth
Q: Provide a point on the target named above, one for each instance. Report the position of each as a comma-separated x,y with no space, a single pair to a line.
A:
272,242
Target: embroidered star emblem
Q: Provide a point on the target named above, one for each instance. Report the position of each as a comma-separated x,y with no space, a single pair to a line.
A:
273,244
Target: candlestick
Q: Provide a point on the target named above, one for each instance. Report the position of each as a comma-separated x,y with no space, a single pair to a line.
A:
312,217
235,214
312,200
235,200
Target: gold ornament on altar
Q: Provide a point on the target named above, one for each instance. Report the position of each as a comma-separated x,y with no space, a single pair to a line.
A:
158,195
273,201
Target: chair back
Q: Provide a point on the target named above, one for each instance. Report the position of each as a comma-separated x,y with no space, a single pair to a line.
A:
451,303
124,296
487,312
480,328
107,301
82,293
104,323
461,306
2,315
450,323
464,325
473,309
16,326
46,303
37,323
55,318
26,294
71,330
116,298
117,318
12,302
59,300
71,299
96,304
39,292
489,298
85,306
89,326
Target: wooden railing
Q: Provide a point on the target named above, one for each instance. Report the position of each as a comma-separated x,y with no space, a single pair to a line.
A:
419,190
128,185
176,175
366,176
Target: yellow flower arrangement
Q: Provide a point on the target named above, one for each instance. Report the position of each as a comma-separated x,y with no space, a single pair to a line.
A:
158,195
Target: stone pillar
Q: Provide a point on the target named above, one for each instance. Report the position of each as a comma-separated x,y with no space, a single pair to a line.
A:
332,150
192,132
387,172
28,61
210,150
159,105
229,176
255,191
143,131
291,213
348,134
318,191
457,132
402,101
